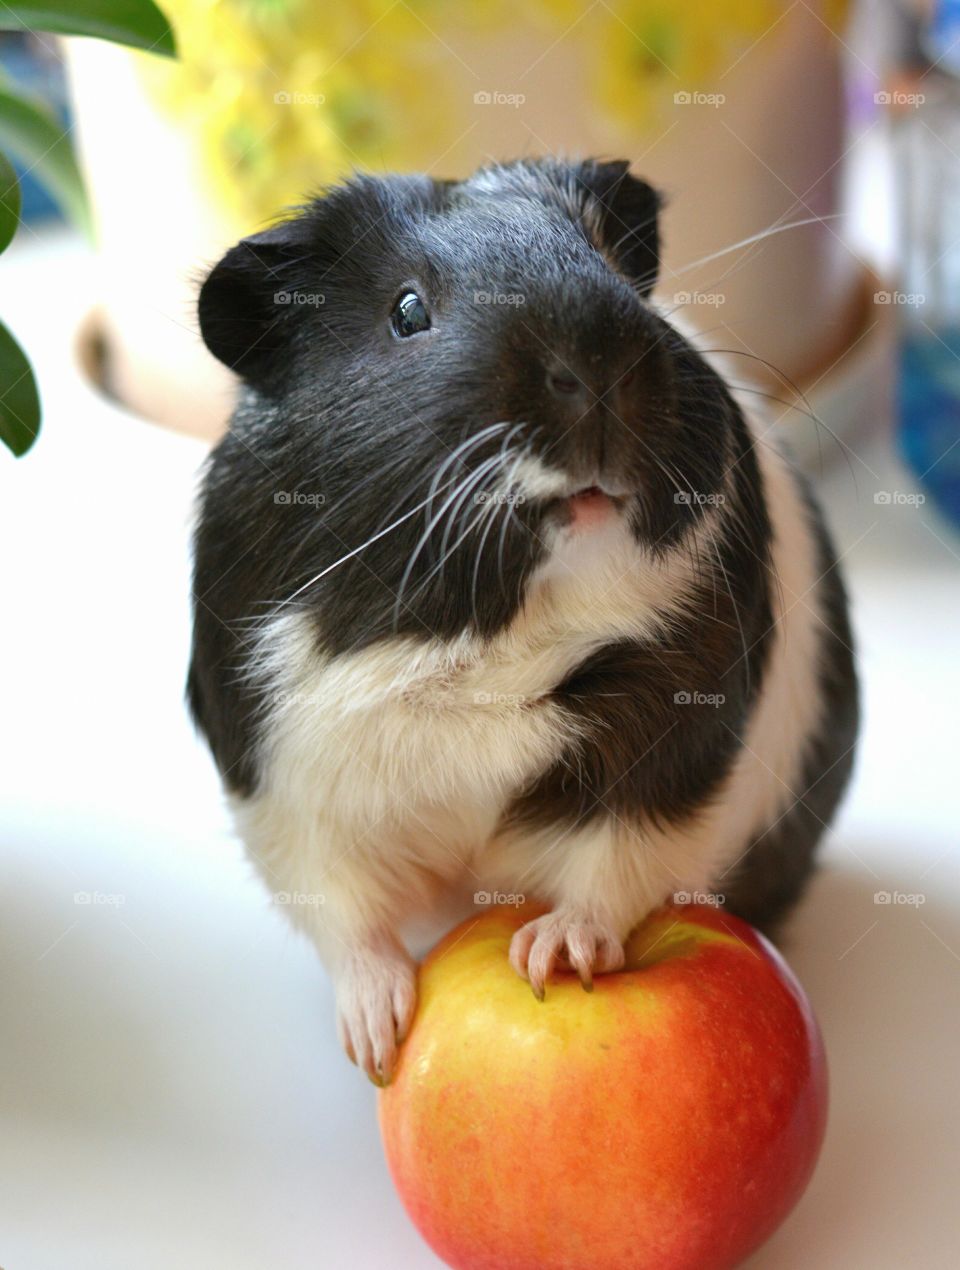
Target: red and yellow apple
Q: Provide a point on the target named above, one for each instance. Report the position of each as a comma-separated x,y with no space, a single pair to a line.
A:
667,1120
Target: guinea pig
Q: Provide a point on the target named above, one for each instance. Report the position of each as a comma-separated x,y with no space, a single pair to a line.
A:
498,585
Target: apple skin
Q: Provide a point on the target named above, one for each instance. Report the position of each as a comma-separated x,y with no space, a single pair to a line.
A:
667,1120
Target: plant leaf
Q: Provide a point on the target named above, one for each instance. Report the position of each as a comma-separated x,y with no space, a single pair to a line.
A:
138,23
19,400
9,202
36,137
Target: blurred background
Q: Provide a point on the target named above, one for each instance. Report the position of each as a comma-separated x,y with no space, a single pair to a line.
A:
170,1086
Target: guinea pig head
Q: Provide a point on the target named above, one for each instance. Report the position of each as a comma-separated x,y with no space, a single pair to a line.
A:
455,350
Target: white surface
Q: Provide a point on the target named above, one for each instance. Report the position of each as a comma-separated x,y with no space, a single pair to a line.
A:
171,1092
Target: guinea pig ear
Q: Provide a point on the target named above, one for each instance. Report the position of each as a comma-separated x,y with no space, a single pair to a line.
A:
622,214
243,304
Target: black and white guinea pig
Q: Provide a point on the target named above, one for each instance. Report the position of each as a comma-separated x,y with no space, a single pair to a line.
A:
496,582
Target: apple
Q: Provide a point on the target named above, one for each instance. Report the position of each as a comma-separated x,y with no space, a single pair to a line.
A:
667,1120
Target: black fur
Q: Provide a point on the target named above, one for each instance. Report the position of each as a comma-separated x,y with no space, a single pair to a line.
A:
662,760
342,427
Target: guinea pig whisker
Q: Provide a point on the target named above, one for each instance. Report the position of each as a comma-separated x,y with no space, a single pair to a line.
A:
355,552
493,509
634,232
769,564
736,613
758,237
782,375
487,511
500,458
801,396
458,508
672,476
795,406
303,548
459,489
504,509
510,515
462,451
470,486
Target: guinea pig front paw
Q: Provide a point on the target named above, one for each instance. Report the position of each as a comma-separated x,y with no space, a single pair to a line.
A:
580,942
376,1002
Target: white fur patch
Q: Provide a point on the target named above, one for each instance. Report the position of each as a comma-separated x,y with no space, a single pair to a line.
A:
386,771
533,479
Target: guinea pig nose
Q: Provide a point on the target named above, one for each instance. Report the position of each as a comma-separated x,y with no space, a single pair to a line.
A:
563,384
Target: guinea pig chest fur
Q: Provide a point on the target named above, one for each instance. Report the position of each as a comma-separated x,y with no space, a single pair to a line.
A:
498,585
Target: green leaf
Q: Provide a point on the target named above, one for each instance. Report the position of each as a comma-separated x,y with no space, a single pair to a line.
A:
35,137
9,202
19,400
138,23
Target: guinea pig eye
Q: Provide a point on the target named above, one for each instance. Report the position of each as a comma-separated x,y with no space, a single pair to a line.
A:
410,315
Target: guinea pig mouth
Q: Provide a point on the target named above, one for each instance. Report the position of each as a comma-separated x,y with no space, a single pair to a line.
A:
595,494
590,505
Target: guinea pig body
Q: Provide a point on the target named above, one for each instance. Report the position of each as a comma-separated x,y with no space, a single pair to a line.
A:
496,581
